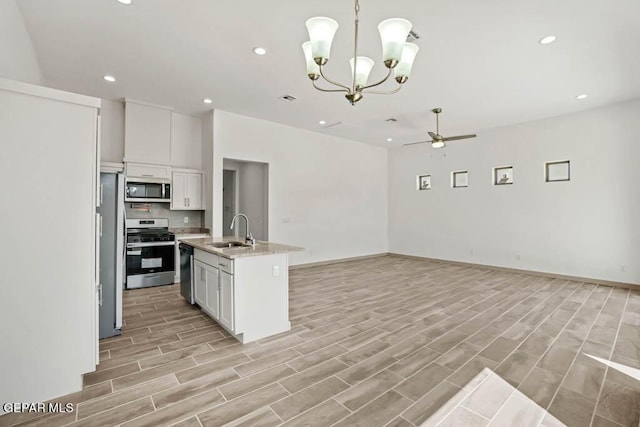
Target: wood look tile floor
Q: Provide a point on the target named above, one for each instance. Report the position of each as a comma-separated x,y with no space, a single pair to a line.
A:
382,341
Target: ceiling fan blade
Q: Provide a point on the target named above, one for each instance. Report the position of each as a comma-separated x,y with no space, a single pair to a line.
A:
414,143
433,135
454,138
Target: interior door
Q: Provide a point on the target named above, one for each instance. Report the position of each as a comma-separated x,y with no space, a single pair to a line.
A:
228,200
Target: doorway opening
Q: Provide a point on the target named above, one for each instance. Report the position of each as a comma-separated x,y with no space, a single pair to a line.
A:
245,187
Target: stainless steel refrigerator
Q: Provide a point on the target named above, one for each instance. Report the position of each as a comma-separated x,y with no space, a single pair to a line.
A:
111,253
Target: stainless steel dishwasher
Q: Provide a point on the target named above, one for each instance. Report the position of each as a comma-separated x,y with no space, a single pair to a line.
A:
186,272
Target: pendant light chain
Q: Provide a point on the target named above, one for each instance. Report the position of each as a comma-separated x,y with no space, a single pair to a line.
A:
355,48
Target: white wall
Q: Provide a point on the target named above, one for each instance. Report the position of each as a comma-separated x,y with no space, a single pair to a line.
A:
587,227
326,194
18,60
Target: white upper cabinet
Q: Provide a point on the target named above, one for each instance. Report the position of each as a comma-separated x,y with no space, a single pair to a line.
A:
147,133
145,171
186,141
194,190
186,190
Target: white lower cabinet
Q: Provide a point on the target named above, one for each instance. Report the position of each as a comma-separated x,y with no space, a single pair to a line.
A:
214,288
200,283
226,300
213,291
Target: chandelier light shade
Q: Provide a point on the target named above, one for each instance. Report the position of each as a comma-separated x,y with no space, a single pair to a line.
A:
321,32
397,55
393,33
361,69
402,72
313,70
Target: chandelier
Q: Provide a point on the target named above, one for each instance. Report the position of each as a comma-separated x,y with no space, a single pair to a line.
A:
397,54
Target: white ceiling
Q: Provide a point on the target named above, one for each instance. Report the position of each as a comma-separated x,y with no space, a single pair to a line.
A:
478,60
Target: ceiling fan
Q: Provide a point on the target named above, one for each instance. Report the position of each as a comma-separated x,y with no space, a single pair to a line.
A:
437,140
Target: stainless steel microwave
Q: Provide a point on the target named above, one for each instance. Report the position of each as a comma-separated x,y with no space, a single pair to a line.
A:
139,191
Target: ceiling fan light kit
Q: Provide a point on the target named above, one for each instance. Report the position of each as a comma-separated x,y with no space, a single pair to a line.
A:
437,140
398,55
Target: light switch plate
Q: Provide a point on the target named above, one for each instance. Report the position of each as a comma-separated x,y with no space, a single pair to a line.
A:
276,271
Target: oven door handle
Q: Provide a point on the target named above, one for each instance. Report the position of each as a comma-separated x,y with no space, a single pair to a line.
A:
149,244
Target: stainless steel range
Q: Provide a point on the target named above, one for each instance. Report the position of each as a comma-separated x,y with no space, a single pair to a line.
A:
150,253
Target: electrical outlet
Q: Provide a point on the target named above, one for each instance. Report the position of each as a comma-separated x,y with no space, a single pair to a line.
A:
276,271
186,220
518,257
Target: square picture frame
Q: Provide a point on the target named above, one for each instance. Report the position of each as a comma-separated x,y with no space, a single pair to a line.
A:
459,179
503,175
557,171
424,182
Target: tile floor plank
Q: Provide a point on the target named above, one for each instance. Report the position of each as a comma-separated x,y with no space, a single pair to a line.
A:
374,341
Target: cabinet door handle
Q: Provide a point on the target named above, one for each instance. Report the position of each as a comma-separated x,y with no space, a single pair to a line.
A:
147,175
185,201
188,202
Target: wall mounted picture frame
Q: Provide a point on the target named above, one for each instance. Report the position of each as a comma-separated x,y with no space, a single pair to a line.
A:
424,182
460,179
557,171
503,175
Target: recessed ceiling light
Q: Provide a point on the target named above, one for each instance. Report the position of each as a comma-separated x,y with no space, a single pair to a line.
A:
547,40
389,139
259,51
109,78
207,101
583,96
322,122
125,1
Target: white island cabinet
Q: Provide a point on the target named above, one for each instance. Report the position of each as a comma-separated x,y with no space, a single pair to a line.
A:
244,289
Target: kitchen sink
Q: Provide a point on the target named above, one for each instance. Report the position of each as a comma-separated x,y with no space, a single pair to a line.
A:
221,245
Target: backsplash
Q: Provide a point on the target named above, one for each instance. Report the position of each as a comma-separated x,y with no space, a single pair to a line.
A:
161,210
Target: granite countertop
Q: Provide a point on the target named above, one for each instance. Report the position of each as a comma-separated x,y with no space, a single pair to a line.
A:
261,248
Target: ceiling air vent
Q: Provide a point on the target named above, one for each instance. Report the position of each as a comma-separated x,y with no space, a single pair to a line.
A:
287,97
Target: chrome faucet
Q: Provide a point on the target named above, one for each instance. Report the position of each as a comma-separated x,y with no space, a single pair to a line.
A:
249,237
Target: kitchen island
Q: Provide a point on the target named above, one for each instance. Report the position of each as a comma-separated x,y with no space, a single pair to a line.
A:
242,287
